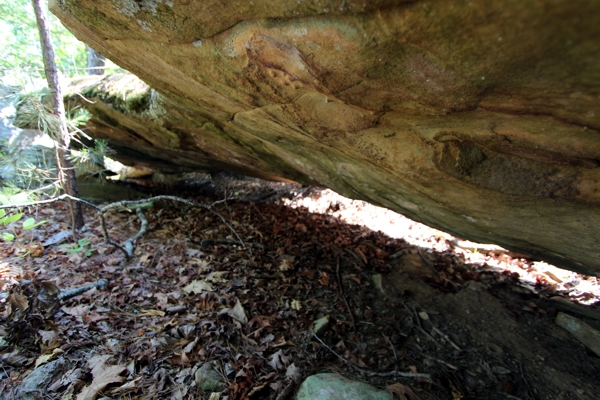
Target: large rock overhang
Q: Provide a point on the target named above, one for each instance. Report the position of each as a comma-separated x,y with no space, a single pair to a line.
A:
478,118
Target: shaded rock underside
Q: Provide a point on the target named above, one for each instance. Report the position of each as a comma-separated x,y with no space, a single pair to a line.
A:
479,119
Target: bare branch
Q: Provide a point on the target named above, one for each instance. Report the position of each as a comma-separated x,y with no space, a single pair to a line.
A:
142,231
415,375
69,293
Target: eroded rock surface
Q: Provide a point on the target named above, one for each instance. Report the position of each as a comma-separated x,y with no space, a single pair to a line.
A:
479,118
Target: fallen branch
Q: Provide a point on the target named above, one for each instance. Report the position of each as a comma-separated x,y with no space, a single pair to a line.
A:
415,375
69,293
447,364
128,247
130,203
144,225
206,242
127,250
442,334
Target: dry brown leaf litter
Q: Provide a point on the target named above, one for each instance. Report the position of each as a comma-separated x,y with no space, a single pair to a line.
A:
476,329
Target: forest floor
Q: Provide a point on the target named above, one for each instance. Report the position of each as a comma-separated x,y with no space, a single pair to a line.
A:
397,300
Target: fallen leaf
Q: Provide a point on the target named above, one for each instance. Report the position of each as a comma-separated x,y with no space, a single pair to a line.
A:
198,287
34,249
278,360
324,279
216,277
77,311
286,265
292,371
103,378
500,370
18,301
296,305
15,359
151,313
127,386
402,391
43,359
48,336
237,312
103,374
456,394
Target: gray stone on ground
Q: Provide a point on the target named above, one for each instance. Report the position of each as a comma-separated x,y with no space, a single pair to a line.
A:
209,380
335,387
35,384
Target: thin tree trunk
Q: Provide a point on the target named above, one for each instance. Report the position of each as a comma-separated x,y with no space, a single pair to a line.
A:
65,168
96,62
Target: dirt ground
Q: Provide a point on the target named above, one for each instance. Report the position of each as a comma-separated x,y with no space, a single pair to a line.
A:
477,320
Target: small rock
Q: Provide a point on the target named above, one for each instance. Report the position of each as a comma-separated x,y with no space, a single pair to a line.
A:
39,379
321,325
378,281
336,387
582,331
208,379
424,316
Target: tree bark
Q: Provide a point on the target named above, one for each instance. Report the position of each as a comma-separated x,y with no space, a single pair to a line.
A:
96,62
61,136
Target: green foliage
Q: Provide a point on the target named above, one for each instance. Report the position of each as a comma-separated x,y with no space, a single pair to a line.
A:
20,43
34,111
28,224
91,156
81,246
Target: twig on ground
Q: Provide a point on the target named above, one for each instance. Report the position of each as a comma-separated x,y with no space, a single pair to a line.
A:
107,238
144,225
442,334
69,293
403,251
392,346
125,204
206,242
423,331
447,364
353,254
337,274
414,313
128,247
415,375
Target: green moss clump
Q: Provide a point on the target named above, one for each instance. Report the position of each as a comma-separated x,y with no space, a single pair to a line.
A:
123,92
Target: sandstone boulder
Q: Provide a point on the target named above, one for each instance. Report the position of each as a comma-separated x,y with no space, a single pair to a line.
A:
476,117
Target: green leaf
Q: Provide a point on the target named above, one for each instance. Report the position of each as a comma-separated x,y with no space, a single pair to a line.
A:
89,252
30,223
11,218
83,242
9,237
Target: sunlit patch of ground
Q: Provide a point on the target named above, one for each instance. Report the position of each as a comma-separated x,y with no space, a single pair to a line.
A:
532,274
